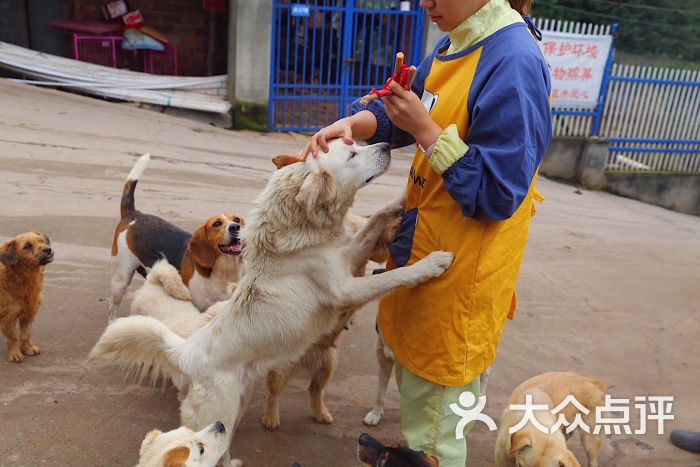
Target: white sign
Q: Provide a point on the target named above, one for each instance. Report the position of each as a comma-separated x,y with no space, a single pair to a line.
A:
577,64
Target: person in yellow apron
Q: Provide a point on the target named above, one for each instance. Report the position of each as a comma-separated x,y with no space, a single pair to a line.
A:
482,125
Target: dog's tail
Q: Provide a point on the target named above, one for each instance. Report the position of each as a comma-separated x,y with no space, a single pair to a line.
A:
128,206
164,274
143,345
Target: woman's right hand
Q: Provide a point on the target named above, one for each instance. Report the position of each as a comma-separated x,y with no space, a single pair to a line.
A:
340,129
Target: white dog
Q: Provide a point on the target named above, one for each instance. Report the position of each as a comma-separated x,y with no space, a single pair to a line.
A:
165,297
300,262
183,447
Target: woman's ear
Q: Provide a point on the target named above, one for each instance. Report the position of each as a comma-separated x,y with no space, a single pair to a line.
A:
318,188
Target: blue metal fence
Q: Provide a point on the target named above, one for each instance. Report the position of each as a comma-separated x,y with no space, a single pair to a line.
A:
327,53
651,119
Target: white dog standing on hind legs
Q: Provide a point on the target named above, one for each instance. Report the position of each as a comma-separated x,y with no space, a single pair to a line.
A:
300,262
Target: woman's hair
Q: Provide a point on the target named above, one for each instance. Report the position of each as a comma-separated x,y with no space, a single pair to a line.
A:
521,6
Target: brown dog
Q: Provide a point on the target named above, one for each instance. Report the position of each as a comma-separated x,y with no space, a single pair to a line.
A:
372,453
321,359
531,446
22,262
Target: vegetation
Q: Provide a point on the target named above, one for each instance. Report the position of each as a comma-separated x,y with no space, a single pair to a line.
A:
649,27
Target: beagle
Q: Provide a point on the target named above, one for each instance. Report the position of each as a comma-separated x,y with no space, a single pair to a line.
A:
208,260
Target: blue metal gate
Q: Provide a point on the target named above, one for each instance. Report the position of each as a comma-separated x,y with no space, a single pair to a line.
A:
327,53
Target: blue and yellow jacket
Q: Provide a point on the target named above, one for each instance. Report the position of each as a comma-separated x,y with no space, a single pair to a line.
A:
473,196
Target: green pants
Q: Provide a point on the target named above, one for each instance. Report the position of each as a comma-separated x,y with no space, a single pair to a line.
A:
427,422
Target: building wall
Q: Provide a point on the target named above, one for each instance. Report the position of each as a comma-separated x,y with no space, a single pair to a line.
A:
185,22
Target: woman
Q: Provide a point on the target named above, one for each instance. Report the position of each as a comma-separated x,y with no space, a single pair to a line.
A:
481,130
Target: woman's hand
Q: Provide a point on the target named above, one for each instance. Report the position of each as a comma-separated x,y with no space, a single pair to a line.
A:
340,129
407,112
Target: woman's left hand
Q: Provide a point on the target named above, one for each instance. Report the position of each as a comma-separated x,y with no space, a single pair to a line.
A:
406,111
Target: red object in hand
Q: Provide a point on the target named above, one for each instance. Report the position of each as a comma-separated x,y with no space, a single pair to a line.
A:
403,75
399,77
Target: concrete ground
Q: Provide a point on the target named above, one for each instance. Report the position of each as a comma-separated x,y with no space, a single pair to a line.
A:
609,288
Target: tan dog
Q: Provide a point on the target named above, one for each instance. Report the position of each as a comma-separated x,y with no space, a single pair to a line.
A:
22,262
321,359
530,446
208,260
183,447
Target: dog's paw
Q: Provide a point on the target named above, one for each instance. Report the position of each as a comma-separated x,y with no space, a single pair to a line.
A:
236,463
437,262
14,356
395,207
373,417
324,416
30,349
271,421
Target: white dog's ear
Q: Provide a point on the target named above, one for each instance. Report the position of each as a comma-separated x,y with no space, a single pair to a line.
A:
148,440
318,188
176,457
151,435
519,440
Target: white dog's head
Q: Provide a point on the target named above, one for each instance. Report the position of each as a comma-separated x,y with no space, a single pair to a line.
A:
305,203
184,448
332,180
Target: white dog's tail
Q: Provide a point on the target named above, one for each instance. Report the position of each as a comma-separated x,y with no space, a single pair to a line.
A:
143,345
164,274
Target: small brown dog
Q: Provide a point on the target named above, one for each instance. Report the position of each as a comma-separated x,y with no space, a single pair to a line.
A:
22,261
321,359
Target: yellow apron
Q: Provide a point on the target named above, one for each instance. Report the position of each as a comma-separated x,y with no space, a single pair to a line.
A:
447,329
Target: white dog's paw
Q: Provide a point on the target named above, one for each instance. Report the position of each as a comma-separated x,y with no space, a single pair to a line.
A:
437,262
373,417
236,463
395,207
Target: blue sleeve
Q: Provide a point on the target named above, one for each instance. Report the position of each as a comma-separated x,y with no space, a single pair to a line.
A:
387,132
510,130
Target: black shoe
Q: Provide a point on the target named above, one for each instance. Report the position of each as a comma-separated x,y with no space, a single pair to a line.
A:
688,440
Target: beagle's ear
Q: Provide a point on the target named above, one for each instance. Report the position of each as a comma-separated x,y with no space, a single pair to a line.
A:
176,457
283,160
200,249
318,188
519,440
8,253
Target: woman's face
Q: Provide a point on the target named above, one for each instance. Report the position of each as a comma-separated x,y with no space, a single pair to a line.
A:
448,14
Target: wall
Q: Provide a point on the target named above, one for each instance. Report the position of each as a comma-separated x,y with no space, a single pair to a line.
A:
562,158
185,22
679,192
584,160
